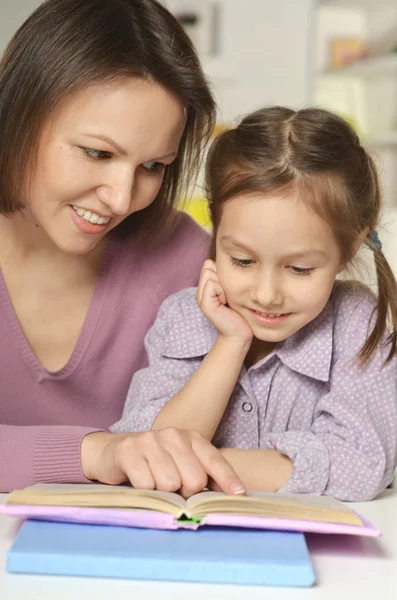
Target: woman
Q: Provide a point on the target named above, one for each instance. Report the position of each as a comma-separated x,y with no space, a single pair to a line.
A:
103,109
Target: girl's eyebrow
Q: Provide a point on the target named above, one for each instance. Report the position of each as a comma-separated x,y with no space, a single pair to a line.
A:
229,239
306,253
309,252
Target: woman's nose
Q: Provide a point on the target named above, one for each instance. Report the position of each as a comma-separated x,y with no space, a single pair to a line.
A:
117,194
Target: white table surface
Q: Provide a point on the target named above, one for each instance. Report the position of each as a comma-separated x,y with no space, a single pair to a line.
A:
346,567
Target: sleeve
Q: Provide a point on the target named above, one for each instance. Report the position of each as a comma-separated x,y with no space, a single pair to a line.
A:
46,454
350,451
164,376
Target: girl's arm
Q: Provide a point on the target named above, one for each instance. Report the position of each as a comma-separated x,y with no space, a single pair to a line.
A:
201,402
262,470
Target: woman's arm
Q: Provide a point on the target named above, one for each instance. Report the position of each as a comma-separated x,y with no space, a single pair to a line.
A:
168,460
33,454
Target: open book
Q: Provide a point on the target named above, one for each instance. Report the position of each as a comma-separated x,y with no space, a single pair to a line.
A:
124,505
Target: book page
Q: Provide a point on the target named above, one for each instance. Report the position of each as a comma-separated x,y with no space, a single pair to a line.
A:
98,495
273,505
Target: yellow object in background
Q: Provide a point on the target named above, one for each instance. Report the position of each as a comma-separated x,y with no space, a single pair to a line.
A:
345,51
197,208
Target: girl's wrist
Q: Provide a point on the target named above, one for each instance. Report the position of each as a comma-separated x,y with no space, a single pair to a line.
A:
234,345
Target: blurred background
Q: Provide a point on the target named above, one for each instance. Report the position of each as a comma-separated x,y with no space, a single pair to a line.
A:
337,54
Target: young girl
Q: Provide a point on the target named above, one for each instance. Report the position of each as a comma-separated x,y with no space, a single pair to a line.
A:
291,372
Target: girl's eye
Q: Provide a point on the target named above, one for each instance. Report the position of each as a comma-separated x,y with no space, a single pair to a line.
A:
301,270
153,166
241,262
97,154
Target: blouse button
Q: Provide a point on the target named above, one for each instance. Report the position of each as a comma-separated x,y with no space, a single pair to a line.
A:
247,407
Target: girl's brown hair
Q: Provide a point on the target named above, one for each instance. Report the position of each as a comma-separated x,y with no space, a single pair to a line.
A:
66,45
318,155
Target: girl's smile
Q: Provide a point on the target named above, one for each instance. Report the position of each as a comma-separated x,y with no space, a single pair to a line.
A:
269,320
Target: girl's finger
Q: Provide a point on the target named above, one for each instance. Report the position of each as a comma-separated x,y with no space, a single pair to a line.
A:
206,274
212,291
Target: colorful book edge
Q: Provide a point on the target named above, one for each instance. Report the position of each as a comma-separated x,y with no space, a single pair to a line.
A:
157,520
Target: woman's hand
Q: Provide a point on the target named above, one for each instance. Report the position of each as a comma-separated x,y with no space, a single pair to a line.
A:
212,301
166,459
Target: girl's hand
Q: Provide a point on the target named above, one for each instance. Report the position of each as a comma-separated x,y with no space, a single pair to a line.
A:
212,301
166,459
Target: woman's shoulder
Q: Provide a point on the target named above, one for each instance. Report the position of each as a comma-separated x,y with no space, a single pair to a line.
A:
184,230
182,235
172,261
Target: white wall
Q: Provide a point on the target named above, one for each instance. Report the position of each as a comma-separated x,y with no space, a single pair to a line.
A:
12,15
265,50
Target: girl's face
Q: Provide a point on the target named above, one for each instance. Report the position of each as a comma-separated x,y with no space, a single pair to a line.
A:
276,261
101,157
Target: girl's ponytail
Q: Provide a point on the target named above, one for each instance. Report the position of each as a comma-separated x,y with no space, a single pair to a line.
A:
387,308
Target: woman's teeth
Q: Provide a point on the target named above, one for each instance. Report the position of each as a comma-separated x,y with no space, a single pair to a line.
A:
90,217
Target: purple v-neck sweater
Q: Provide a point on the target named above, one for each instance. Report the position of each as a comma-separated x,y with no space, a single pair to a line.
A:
45,415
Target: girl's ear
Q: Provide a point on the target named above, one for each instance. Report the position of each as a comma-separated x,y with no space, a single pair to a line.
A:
359,241
356,246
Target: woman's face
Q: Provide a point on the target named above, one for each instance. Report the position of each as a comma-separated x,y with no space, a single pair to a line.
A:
101,157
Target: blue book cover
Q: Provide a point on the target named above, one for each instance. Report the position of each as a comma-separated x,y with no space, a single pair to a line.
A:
211,555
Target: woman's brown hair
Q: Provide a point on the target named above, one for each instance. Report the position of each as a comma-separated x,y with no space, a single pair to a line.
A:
318,155
66,45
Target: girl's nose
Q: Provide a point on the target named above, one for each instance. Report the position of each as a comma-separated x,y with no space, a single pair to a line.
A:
267,292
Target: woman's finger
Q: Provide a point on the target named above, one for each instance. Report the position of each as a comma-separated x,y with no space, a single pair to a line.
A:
138,472
217,467
177,442
164,469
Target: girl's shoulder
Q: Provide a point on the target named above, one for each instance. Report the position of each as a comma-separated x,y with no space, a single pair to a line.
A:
351,295
354,307
181,330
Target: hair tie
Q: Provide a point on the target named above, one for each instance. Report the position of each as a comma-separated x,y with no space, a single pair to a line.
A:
373,237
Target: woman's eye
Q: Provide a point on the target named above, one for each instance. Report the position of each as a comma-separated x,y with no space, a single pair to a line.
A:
152,165
241,262
301,270
97,154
